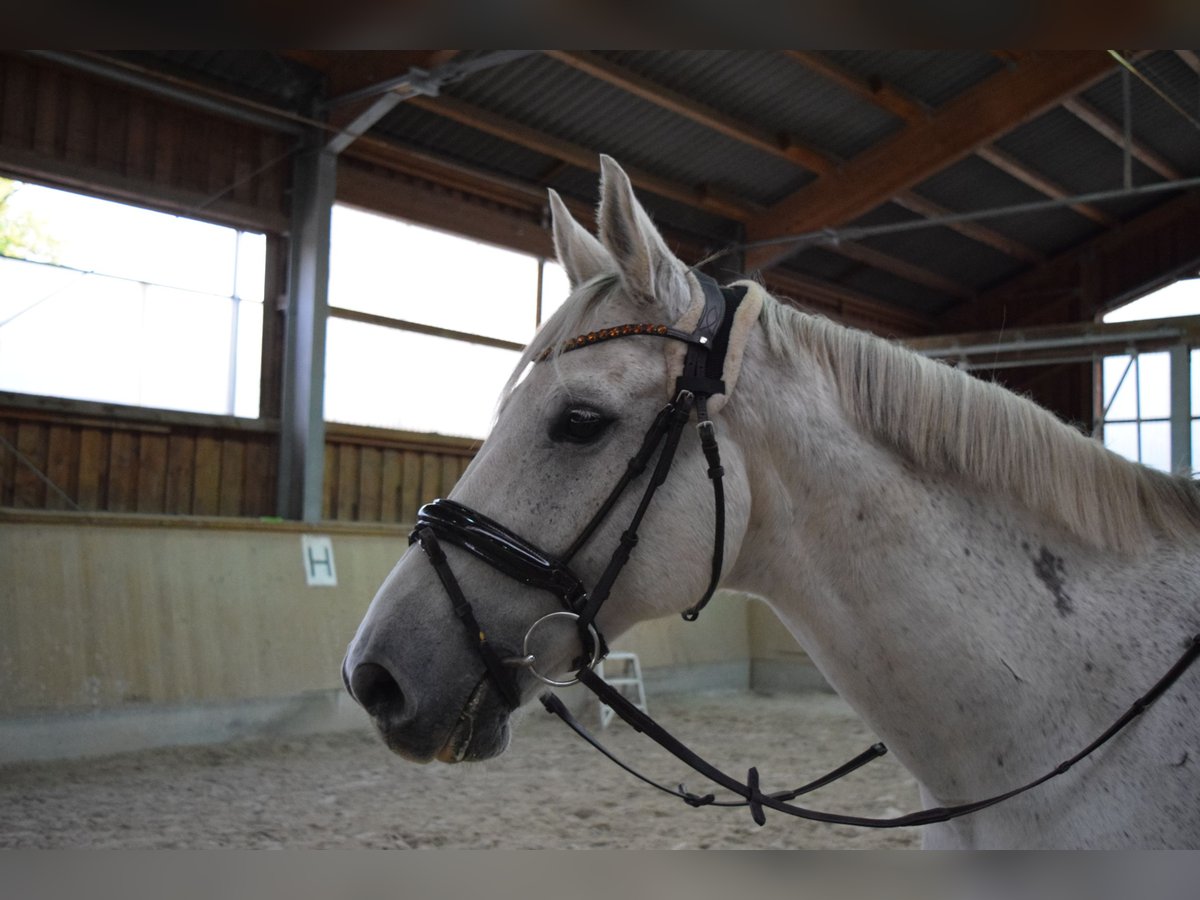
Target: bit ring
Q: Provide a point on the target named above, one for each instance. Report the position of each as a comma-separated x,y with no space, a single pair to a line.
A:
527,660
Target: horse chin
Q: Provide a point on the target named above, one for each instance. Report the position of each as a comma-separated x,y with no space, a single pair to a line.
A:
482,729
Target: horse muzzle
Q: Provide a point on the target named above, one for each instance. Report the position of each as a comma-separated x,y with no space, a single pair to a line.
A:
451,719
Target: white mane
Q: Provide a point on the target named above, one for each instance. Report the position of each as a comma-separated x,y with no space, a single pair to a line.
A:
944,420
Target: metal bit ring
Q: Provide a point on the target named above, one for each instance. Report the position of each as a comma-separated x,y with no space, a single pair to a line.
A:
528,659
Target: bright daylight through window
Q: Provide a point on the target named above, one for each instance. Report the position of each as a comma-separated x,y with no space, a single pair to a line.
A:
1137,387
386,368
115,303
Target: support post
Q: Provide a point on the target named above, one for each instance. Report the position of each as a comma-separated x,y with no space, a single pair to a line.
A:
302,419
1181,410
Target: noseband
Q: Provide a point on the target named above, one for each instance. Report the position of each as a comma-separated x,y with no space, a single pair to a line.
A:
525,562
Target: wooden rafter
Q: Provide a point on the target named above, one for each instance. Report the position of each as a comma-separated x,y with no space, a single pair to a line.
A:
1105,126
1191,58
981,233
809,158
894,100
702,196
781,146
877,259
873,90
1015,168
955,130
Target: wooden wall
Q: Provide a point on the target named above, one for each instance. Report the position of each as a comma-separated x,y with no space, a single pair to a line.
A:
372,475
159,463
107,458
63,127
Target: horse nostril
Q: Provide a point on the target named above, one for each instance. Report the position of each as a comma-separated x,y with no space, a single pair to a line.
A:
376,690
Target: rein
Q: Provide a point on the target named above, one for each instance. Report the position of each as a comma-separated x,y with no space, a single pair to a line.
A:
512,555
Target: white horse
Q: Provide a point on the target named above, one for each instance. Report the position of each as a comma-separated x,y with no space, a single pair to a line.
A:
988,588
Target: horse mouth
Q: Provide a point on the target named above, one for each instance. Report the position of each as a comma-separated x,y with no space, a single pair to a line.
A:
481,731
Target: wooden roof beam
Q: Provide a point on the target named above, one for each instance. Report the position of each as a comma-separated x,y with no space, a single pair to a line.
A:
901,268
980,233
1190,57
874,90
782,146
1105,126
1040,183
953,131
895,101
807,157
701,197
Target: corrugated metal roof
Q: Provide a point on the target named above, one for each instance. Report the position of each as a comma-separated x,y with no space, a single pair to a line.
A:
820,263
1074,156
972,184
939,249
767,90
416,128
545,95
933,77
1155,123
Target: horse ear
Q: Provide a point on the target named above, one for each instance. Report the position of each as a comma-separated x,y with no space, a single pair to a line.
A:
581,255
648,269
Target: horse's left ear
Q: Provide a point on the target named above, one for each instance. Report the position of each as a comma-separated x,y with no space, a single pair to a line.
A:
648,269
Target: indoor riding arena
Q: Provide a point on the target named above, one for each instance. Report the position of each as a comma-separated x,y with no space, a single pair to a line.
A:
258,307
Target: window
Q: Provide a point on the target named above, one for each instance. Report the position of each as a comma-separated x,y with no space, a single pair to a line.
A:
114,303
1137,407
425,327
1141,399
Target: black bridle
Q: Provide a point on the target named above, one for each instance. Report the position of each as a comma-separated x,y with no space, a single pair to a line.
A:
512,555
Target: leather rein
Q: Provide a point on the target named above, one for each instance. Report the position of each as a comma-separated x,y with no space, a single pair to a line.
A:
512,555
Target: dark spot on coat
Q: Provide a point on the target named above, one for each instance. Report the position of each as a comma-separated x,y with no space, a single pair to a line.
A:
1088,666
861,516
966,551
1000,761
1051,571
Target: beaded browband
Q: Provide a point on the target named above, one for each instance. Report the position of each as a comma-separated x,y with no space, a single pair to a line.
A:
607,334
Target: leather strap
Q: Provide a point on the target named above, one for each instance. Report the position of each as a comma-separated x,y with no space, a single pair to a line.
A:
503,678
555,706
757,801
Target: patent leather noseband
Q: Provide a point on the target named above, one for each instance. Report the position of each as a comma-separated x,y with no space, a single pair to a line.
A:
525,562
488,540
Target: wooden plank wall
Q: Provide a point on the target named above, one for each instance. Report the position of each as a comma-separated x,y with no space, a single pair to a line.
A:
183,464
380,476
63,127
107,465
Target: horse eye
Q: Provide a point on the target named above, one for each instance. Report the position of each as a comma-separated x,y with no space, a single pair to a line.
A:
579,425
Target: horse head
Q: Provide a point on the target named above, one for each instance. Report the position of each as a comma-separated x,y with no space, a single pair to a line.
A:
565,431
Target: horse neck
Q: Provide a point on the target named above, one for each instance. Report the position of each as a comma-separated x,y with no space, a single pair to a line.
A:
954,621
